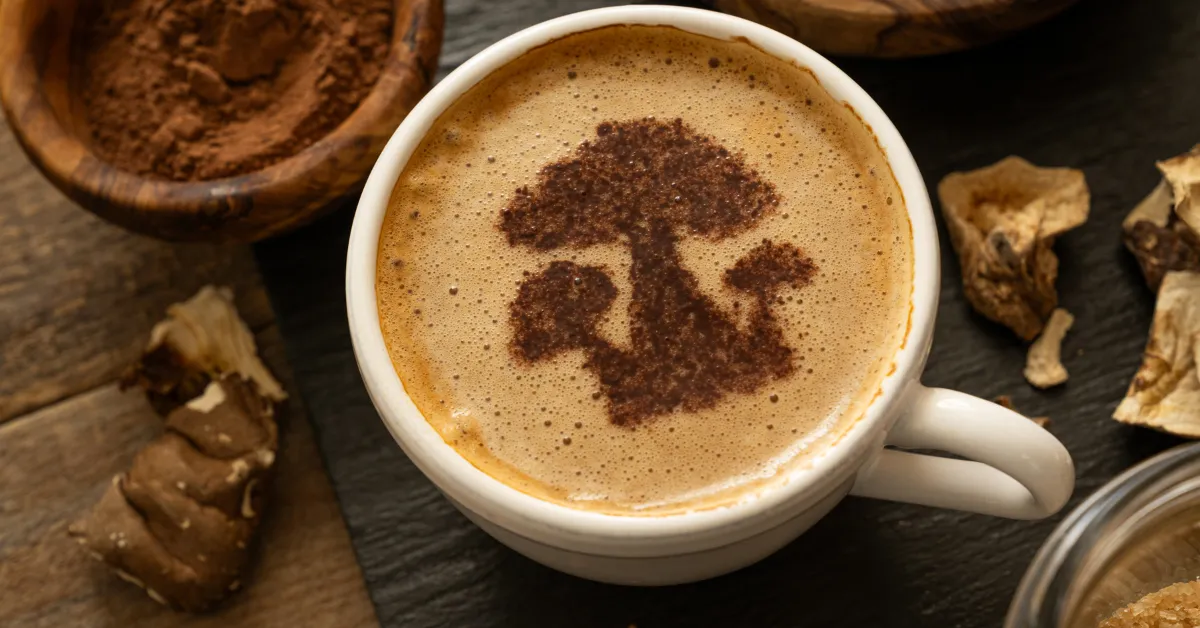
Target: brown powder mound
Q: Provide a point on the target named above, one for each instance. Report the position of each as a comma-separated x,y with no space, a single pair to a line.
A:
204,89
641,181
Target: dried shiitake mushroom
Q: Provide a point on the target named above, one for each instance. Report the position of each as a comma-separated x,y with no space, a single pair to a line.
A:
1155,232
1003,220
180,522
1165,392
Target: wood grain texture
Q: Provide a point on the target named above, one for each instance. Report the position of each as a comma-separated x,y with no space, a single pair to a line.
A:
895,28
35,38
1101,89
78,296
59,460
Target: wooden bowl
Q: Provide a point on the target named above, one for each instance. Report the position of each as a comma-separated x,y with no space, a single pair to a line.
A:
895,28
35,87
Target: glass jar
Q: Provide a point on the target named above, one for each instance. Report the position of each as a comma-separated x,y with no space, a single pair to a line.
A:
1137,534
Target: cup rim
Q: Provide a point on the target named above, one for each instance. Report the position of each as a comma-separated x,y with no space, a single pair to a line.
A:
561,525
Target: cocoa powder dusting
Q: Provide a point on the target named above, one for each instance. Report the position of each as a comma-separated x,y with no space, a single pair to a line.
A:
204,89
639,182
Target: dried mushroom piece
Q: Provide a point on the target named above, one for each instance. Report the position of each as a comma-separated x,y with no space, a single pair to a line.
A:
1183,174
1003,220
181,521
1157,237
199,337
1043,364
1165,392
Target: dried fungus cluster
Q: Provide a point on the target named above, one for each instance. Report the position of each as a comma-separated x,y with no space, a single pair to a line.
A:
1003,220
1162,232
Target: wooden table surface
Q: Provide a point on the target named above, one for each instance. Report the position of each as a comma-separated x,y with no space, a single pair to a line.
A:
77,300
1109,87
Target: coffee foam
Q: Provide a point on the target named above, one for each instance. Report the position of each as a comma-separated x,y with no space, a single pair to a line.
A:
447,275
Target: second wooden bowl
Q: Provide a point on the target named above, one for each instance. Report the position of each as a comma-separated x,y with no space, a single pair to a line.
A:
36,90
895,28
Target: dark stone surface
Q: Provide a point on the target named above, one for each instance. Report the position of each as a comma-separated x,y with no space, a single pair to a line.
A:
1109,87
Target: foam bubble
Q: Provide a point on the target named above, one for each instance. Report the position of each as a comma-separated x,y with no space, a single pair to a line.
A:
446,276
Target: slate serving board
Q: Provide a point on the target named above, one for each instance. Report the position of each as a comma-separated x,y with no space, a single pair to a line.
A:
1109,86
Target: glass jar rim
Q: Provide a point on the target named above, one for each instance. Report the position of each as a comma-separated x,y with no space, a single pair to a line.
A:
1066,565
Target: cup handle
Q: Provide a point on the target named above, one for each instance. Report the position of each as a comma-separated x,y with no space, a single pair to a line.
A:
1015,468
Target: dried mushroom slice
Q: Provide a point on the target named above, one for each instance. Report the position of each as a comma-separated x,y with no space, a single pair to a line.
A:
181,521
1183,174
1043,364
200,337
1165,392
1157,237
1003,220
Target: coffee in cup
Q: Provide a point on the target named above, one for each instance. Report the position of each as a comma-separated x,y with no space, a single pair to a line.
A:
641,271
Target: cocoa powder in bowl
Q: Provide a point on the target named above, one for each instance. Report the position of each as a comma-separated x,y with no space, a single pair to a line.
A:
203,89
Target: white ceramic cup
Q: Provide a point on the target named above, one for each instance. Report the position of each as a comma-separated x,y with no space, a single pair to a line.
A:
1013,468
